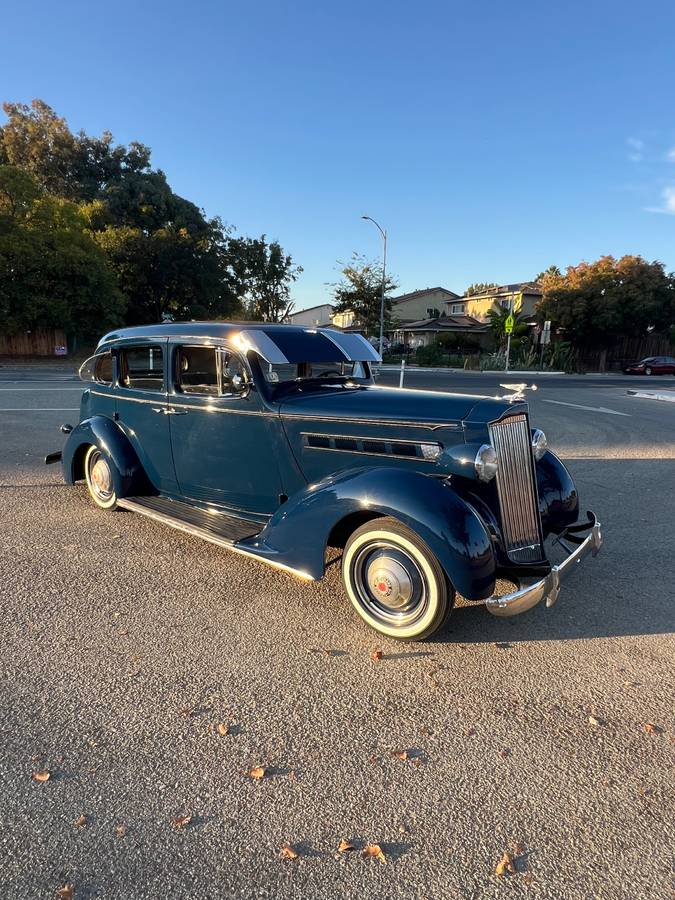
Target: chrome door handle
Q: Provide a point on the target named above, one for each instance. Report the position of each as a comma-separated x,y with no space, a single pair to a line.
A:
172,411
158,409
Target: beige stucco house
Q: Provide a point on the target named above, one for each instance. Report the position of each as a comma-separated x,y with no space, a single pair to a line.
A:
314,317
520,298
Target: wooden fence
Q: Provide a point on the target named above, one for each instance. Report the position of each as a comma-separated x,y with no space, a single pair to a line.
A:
40,342
624,351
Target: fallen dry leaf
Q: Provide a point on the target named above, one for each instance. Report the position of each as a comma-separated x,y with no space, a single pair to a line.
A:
519,849
41,776
344,846
373,851
505,753
121,829
505,865
292,775
528,878
287,852
66,892
81,822
185,711
596,723
469,732
372,759
651,728
223,728
257,772
181,821
400,754
376,655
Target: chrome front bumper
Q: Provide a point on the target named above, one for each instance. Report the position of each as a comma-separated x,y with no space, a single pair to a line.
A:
548,588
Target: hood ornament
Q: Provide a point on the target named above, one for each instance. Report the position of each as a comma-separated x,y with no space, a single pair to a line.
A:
518,391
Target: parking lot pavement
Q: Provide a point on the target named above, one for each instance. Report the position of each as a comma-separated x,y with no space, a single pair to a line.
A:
124,645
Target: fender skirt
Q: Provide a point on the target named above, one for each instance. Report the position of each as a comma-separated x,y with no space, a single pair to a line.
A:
297,534
109,437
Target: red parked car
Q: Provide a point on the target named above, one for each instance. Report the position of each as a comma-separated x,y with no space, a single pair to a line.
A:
652,365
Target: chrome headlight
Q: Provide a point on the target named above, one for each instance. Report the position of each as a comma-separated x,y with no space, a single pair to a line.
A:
485,463
539,443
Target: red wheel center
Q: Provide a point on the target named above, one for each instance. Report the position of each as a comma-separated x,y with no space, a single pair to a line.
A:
382,587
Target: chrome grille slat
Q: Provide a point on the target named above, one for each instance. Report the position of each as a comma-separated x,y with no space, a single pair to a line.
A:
516,488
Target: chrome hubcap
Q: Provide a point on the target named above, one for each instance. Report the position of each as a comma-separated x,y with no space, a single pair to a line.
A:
389,583
100,476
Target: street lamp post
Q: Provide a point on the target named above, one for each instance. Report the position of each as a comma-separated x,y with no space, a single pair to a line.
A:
384,278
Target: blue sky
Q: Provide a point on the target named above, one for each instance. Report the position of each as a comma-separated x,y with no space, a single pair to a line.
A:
491,139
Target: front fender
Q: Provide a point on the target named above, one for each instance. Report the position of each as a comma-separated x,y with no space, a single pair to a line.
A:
102,432
558,497
298,533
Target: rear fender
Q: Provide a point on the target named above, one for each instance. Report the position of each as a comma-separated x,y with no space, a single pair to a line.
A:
103,433
298,533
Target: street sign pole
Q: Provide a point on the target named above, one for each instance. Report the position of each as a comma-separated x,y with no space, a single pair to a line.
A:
508,327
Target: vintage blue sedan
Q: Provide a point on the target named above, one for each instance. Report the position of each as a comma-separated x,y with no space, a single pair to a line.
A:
273,441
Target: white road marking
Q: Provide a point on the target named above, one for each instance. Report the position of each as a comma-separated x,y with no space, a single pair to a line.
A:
9,390
602,409
39,408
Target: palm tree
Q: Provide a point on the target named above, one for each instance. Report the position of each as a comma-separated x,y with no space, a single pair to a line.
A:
497,317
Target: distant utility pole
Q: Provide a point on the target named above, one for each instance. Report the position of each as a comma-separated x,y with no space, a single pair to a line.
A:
384,279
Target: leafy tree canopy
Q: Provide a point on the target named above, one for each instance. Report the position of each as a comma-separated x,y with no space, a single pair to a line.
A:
260,274
360,291
161,252
597,302
52,273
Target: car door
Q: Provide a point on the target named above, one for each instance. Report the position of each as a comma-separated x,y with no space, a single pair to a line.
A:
141,408
222,438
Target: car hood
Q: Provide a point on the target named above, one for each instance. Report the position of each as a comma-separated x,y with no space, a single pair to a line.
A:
391,406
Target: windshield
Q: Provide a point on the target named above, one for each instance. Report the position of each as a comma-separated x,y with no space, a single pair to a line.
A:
289,376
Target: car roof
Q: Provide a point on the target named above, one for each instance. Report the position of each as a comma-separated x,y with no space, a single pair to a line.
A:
275,343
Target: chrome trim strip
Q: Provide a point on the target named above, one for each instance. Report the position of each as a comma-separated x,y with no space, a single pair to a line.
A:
195,531
310,418
415,459
547,588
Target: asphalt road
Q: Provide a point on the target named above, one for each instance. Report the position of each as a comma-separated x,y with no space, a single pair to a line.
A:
123,645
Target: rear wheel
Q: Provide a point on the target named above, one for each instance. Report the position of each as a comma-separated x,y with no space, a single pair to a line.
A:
394,581
99,475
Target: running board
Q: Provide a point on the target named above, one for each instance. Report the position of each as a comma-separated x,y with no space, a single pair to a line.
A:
216,527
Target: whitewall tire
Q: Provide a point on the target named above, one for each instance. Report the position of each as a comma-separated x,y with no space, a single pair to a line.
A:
99,476
394,581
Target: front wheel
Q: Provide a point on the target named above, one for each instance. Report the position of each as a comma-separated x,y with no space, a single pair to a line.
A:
394,581
648,370
98,473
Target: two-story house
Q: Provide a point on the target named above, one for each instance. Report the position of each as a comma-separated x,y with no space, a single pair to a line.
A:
518,298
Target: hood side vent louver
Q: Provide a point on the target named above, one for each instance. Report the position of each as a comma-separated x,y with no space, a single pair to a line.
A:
370,446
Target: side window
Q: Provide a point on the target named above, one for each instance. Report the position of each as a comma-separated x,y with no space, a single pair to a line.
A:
104,369
142,368
196,370
233,374
98,368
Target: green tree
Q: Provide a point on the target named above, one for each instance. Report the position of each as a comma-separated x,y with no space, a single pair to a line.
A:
497,317
479,287
597,302
75,166
550,273
260,275
52,274
360,291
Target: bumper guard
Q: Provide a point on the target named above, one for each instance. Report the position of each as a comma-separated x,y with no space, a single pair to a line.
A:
548,588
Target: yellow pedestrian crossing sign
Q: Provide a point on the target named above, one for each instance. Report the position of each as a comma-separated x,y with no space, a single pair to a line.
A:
508,324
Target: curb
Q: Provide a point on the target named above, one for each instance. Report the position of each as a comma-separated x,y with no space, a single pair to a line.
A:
654,395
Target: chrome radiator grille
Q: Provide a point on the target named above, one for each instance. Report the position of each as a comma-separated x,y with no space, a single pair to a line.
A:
516,489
